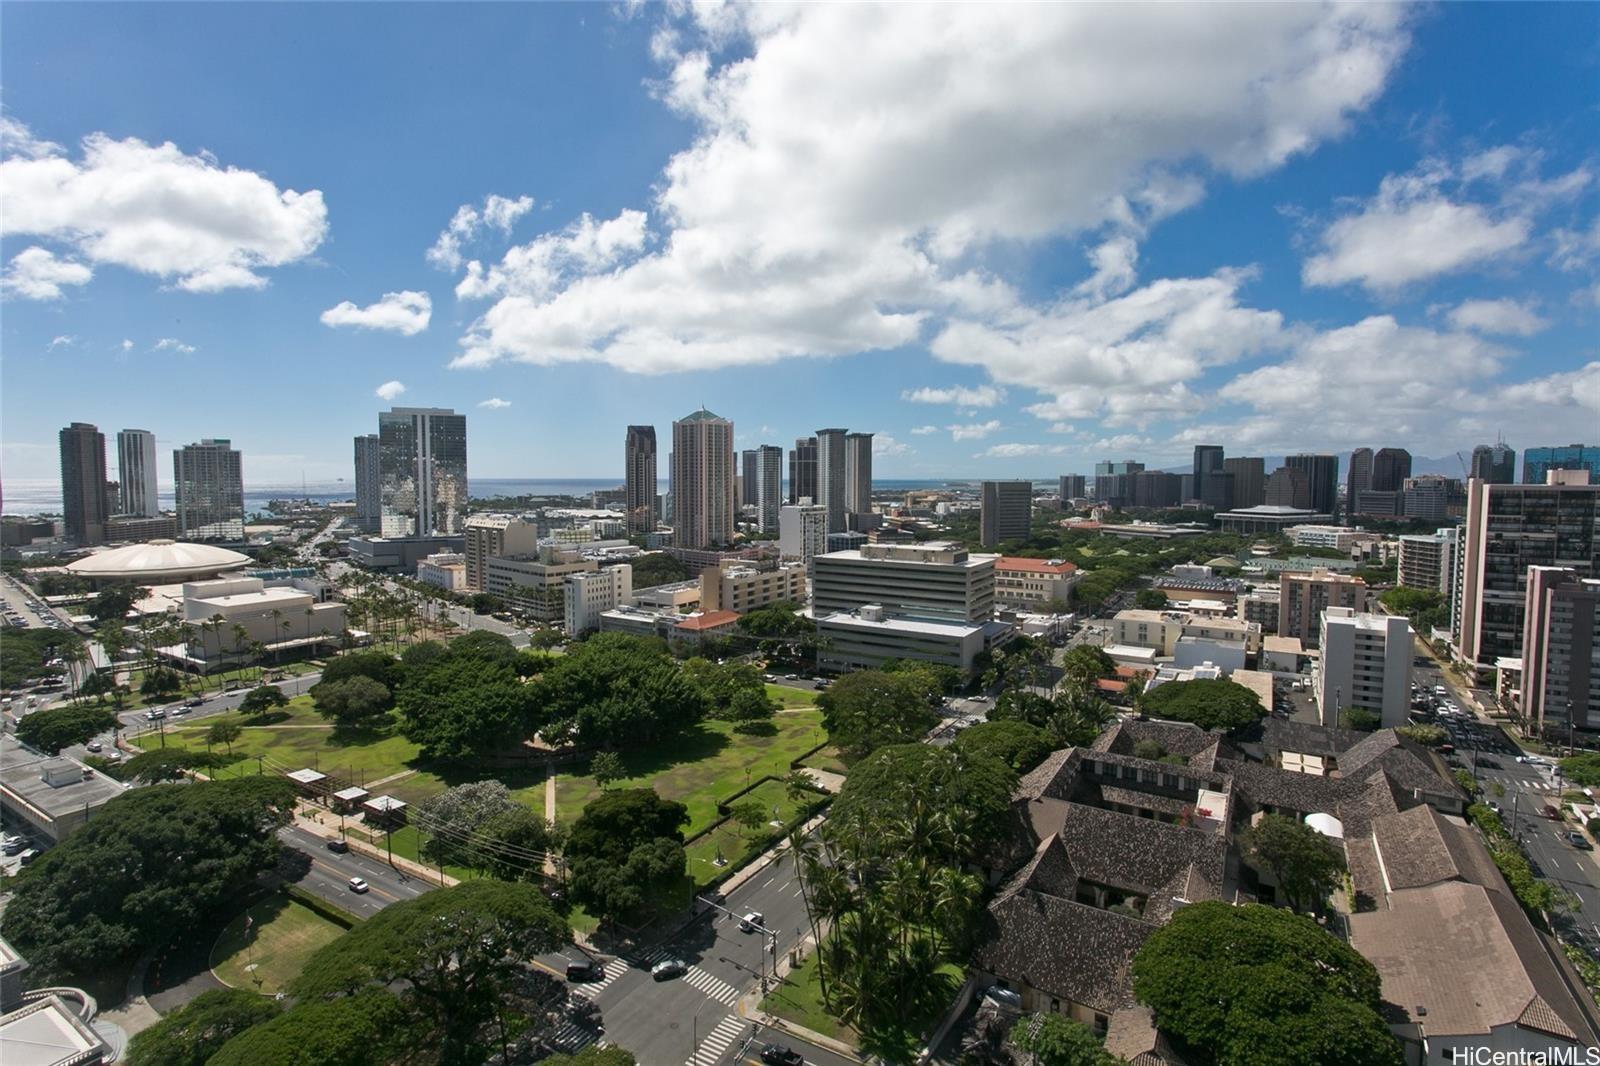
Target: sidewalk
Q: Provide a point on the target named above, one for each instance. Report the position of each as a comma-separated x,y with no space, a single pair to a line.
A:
305,821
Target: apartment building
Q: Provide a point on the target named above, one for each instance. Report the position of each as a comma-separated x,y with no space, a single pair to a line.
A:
487,536
1425,562
1561,652
1365,665
802,532
1303,597
740,587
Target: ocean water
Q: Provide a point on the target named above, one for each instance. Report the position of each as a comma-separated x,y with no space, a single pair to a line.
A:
24,496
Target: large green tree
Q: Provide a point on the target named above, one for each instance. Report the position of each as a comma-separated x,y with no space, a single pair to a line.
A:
619,691
1017,745
723,683
1051,1039
190,1035
354,702
971,790
169,764
1208,703
1306,865
370,1028
868,709
380,666
112,604
262,699
58,727
1254,985
454,817
149,866
511,844
624,850
464,704
454,954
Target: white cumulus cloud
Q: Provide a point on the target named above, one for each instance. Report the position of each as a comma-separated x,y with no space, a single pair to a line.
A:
498,212
494,403
173,344
1502,316
1015,451
885,445
389,390
158,211
923,431
406,313
973,430
36,274
65,340
127,345
959,395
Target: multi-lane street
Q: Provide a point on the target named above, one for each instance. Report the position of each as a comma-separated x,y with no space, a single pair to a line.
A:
327,874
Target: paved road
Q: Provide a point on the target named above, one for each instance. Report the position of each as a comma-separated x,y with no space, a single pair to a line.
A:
327,874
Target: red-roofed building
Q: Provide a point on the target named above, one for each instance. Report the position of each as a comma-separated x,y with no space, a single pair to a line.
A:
706,625
1033,584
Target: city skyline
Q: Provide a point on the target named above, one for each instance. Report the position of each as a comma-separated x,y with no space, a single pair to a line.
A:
1219,286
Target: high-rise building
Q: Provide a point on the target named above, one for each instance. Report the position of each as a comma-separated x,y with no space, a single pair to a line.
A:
589,593
749,490
803,470
1303,597
1561,652
831,480
1322,475
1111,484
423,471
208,481
1390,468
1156,489
136,473
1073,487
639,489
702,480
490,536
802,532
369,483
858,473
768,491
1358,479
83,483
1494,463
1425,561
1007,511
1211,485
1288,487
1365,665
1507,529
1428,497
1536,462
1249,482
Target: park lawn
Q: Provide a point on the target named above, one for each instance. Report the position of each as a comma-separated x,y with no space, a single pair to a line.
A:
284,935
705,763
830,759
787,697
731,840
526,783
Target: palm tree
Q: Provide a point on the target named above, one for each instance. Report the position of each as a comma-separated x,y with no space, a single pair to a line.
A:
277,620
241,640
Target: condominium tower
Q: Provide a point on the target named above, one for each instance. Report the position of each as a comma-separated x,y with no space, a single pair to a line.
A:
831,479
858,473
639,489
83,483
208,481
136,473
766,491
369,479
422,470
702,480
803,470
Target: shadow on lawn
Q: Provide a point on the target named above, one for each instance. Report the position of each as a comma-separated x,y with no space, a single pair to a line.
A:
692,745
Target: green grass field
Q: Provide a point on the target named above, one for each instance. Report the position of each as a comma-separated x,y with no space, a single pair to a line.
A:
799,1000
731,839
284,934
786,697
701,766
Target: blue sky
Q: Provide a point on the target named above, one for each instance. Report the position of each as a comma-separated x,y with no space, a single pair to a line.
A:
1010,240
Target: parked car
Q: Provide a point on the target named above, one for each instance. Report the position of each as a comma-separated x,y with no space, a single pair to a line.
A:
11,845
359,886
94,745
778,1055
667,969
752,921
580,970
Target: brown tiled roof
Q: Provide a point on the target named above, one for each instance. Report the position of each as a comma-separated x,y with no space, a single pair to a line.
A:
1412,849
708,620
1137,854
1066,949
1132,1035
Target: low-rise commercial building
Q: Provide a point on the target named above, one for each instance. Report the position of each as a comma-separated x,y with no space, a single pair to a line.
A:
446,570
229,617
1148,629
740,587
1033,583
679,597
54,796
397,555
1365,665
590,593
535,584
868,637
1339,538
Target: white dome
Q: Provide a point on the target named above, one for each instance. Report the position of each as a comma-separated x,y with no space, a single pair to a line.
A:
158,561
1326,824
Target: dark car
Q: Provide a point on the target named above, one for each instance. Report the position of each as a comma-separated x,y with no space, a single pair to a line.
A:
585,970
778,1055
1579,841
1552,812
340,845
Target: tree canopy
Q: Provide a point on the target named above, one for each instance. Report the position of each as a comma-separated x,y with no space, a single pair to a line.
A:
723,683
1259,985
973,791
112,604
618,691
150,865
353,702
380,666
865,710
1017,745
190,1035
55,728
1208,703
368,1029
1306,865
1582,769
168,764
455,815
1052,1039
468,701
624,849
261,699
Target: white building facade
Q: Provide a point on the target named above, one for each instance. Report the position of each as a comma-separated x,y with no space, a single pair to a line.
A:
1365,665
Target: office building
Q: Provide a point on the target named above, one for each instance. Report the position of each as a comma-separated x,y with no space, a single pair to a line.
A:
1155,489
1390,468
536,584
1212,486
1289,487
588,594
422,471
1494,463
1428,497
639,479
1358,478
768,487
486,536
136,474
1248,481
831,480
1034,584
803,471
1111,483
1365,665
398,555
1322,478
1007,511
858,473
1302,597
133,529
1561,653
83,483
1340,538
1425,561
802,532
1507,529
932,602
369,483
1073,487
1268,518
1139,628
444,570
748,489
1538,462
208,479
702,480
741,586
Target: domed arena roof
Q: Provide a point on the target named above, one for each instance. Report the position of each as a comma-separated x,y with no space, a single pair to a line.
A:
158,562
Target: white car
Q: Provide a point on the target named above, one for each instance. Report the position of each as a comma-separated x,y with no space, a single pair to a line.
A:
359,886
752,921
93,745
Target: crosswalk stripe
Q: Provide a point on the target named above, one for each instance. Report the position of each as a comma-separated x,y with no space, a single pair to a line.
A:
722,1035
712,986
613,970
572,1036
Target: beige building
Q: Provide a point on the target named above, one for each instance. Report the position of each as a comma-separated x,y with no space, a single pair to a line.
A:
1033,583
1303,597
490,535
1225,630
535,583
1148,629
445,570
1560,672
740,587
229,616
